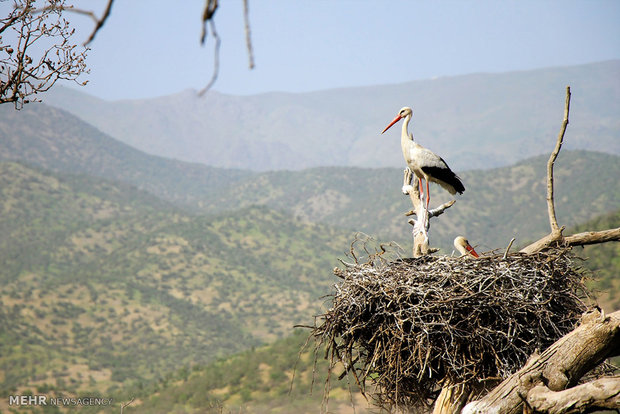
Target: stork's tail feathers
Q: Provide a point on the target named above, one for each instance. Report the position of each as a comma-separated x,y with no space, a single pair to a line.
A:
445,178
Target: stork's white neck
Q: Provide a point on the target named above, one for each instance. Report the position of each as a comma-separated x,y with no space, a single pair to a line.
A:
405,135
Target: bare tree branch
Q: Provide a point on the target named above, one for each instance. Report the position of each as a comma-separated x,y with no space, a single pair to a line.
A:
592,237
558,367
555,237
248,36
100,22
600,394
216,60
555,229
25,70
207,15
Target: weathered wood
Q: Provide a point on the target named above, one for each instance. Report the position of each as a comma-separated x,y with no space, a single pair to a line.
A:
592,237
421,224
452,399
580,239
555,229
600,394
558,367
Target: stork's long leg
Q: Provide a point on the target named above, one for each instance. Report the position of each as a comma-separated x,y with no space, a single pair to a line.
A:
420,185
428,195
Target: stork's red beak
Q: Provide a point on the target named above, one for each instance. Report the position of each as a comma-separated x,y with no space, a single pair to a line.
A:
395,120
471,250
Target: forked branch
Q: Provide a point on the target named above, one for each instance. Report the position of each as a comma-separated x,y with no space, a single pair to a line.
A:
422,222
555,237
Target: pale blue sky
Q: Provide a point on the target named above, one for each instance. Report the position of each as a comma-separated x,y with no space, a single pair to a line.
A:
151,48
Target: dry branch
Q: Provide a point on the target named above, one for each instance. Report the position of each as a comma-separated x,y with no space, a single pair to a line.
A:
558,367
422,223
600,394
41,52
555,229
555,238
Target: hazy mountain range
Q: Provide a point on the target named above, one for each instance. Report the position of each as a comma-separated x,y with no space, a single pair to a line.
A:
497,205
474,121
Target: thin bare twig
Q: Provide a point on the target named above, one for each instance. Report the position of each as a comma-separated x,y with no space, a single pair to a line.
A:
248,35
100,22
216,60
207,15
123,406
508,248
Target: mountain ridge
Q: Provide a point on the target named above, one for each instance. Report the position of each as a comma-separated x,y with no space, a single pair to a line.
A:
353,198
474,121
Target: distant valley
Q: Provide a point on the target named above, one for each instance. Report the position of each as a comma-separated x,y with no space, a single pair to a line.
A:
103,284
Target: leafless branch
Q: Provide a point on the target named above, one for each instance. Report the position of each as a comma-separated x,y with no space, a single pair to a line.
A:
592,237
248,35
422,224
100,22
509,246
125,405
555,229
216,60
26,71
600,394
555,237
207,15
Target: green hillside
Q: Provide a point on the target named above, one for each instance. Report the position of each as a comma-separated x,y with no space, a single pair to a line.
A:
603,260
258,381
107,289
498,204
277,378
55,140
104,286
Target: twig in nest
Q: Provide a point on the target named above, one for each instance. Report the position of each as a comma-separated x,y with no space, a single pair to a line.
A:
508,248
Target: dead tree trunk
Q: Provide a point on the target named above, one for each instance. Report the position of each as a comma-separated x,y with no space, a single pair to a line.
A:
422,224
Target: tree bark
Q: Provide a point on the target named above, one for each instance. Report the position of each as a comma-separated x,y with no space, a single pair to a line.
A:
451,399
600,394
558,367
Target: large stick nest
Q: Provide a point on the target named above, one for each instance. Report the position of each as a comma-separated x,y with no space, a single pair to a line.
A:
408,325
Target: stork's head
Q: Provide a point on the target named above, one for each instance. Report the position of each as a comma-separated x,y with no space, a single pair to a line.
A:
462,245
403,113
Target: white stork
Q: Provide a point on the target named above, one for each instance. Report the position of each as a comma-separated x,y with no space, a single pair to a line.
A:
423,162
462,245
